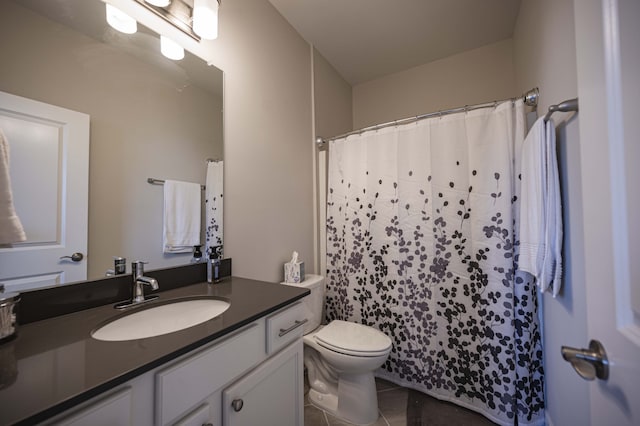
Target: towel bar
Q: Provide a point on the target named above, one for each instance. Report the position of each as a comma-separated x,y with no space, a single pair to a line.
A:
154,181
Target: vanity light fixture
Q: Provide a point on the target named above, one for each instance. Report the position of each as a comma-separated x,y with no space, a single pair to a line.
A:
171,49
196,18
159,3
120,21
205,18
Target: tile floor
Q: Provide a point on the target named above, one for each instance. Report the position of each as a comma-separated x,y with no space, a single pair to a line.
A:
400,406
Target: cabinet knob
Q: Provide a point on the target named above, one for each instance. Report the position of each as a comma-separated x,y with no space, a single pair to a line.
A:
237,404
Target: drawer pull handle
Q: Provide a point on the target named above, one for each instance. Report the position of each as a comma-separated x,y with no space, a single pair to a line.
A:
237,404
293,327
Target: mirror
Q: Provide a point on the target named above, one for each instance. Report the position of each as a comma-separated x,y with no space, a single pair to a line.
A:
150,117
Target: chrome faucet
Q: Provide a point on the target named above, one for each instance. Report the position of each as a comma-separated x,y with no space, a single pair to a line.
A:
139,280
137,270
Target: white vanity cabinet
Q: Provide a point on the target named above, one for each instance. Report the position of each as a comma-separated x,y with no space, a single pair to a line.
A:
270,395
260,365
106,410
182,385
201,416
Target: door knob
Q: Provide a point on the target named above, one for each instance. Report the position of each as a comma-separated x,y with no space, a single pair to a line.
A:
589,363
237,404
76,257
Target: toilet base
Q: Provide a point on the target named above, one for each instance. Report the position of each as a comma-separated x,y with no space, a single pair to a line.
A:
325,401
356,402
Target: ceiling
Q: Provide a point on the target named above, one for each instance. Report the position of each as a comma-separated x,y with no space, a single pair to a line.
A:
367,39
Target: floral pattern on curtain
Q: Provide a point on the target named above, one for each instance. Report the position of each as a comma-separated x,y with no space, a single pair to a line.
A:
421,244
213,202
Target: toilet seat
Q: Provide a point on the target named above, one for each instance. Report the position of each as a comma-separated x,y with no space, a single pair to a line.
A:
353,339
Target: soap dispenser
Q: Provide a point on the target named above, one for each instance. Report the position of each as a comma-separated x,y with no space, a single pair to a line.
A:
213,265
197,254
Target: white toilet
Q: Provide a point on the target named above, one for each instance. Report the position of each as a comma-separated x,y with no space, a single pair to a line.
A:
340,358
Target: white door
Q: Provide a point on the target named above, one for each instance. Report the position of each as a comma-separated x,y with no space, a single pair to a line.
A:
607,38
49,169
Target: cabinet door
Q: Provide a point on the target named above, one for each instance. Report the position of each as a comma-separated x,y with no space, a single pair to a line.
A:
198,417
270,395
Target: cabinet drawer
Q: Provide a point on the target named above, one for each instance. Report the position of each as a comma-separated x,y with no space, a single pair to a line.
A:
189,381
111,410
284,327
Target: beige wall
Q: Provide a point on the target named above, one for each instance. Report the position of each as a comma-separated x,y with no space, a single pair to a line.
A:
332,99
476,76
146,121
545,56
268,139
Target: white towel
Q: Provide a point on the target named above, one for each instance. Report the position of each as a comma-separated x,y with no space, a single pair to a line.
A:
552,267
540,228
182,212
11,230
214,203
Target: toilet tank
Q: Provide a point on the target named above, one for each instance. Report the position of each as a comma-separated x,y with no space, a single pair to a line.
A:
314,302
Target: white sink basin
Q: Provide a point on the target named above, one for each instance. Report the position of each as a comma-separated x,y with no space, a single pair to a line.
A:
161,319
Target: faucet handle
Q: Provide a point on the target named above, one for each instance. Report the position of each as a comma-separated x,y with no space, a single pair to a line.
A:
137,268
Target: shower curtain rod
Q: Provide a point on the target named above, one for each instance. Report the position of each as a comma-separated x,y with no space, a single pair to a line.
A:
530,98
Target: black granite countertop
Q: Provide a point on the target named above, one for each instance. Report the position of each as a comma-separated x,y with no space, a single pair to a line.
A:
54,364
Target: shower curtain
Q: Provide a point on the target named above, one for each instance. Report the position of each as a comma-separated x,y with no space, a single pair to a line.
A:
213,203
421,244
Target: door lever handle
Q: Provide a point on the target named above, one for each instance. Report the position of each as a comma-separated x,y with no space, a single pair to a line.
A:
589,363
76,257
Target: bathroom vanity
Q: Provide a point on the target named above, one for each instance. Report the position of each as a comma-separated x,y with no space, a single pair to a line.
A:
243,367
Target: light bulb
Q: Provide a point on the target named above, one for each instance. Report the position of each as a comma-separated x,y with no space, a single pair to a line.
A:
205,18
159,3
171,49
120,20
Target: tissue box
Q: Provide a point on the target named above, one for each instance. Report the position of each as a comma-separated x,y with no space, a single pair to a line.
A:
293,272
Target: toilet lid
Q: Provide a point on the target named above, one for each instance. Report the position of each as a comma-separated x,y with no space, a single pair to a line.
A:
353,339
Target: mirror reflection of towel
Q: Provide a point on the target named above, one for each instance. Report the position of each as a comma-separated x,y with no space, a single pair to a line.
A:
11,230
182,210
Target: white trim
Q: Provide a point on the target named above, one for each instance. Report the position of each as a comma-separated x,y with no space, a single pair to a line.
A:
314,168
624,309
547,419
